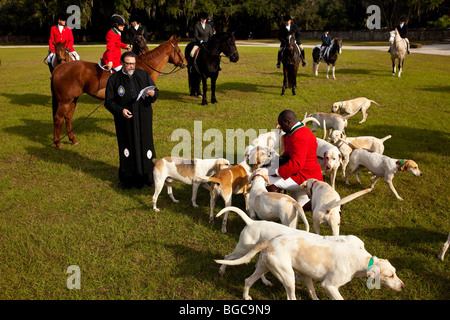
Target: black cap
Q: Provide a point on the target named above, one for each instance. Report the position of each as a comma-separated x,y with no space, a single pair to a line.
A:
287,17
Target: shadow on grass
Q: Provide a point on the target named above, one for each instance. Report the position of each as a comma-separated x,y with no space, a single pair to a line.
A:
411,140
38,131
29,99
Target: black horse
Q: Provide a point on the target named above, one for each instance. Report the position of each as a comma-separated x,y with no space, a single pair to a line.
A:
329,57
291,60
206,63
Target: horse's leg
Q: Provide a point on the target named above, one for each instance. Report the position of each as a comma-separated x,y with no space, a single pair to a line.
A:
205,87
58,120
283,88
328,70
333,68
213,88
69,117
393,67
294,80
400,67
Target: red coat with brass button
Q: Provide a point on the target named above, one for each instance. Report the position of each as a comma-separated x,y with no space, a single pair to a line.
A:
300,147
57,36
113,46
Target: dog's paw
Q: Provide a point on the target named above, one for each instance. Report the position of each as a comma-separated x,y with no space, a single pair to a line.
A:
156,210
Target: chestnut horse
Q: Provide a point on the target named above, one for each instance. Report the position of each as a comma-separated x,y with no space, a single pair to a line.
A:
61,54
70,80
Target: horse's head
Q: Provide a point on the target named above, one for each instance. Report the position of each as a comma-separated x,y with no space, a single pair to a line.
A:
139,43
291,55
61,53
336,45
227,45
176,57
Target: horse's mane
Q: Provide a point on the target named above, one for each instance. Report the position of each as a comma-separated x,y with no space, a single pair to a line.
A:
152,53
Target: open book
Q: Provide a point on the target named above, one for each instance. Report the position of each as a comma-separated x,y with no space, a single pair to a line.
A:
143,92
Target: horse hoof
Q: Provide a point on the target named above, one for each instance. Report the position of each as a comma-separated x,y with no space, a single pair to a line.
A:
213,101
204,103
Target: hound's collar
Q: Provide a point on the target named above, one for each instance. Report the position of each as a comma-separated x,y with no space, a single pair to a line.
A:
370,264
400,163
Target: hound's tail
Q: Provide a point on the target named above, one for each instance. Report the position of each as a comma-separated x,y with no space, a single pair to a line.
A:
54,98
385,138
209,179
349,198
241,213
301,213
248,257
376,103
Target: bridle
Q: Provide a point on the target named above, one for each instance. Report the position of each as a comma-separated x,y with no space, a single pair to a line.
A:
160,72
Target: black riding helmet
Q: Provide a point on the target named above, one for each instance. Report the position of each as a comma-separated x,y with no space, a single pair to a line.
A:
117,20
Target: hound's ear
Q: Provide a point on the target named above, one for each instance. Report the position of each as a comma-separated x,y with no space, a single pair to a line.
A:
340,158
404,168
303,185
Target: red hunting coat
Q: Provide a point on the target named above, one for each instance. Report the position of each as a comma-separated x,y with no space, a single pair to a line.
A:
56,36
301,148
113,46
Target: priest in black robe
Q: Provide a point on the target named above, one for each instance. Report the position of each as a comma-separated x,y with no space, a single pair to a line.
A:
130,93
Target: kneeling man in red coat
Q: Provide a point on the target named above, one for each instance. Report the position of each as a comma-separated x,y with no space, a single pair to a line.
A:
298,162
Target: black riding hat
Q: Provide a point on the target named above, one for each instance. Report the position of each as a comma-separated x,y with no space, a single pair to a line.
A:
135,17
203,15
118,19
287,17
61,16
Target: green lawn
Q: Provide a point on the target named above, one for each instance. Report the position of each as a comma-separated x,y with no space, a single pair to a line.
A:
62,207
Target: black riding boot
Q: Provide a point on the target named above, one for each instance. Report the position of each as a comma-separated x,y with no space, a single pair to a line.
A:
304,63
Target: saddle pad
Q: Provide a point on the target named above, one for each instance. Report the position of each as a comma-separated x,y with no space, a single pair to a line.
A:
194,51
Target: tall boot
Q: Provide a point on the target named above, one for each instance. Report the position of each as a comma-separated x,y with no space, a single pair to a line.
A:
304,63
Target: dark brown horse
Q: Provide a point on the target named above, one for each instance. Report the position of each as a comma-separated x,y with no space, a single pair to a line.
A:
139,43
207,63
291,61
70,80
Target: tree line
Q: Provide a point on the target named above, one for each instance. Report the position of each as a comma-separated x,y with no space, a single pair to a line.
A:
166,17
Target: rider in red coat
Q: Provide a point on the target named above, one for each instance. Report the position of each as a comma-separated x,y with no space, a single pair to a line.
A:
60,33
111,57
298,162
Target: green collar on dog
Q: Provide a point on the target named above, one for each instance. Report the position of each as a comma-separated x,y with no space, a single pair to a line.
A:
370,264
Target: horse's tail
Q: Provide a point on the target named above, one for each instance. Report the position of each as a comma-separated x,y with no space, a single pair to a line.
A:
54,99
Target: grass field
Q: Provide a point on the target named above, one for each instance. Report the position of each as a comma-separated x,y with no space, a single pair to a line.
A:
62,207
